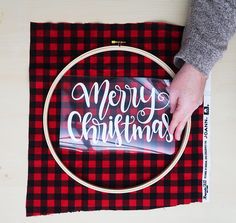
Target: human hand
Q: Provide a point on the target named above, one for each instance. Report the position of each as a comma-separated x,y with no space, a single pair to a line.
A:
186,95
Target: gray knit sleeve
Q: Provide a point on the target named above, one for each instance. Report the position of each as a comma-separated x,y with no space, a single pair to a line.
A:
210,25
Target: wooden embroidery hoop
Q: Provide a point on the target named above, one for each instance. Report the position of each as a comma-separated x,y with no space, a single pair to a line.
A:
46,131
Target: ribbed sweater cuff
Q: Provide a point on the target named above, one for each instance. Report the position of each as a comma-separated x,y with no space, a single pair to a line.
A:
199,54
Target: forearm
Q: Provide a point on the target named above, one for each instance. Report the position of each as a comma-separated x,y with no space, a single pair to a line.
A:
209,27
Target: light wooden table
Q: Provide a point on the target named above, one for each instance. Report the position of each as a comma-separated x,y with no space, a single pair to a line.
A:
15,17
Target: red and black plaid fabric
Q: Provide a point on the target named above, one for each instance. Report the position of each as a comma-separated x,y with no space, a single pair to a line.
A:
50,190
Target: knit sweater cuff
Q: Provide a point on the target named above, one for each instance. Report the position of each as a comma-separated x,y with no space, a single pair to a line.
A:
199,54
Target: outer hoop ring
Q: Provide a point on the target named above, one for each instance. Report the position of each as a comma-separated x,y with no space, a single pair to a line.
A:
46,131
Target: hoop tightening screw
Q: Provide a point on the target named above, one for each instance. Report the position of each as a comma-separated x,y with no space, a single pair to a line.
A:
118,42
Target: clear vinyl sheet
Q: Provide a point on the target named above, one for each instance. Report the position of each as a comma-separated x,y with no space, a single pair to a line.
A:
130,114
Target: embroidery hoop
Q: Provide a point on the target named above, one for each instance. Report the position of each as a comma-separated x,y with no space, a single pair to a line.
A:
46,131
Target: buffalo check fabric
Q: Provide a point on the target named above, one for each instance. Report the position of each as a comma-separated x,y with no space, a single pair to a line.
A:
49,189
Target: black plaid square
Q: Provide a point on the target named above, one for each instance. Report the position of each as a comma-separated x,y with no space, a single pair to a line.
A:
50,190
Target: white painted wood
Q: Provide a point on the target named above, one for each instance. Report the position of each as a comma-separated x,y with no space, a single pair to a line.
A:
15,16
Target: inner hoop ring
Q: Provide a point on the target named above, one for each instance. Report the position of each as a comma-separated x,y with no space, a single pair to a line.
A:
46,131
